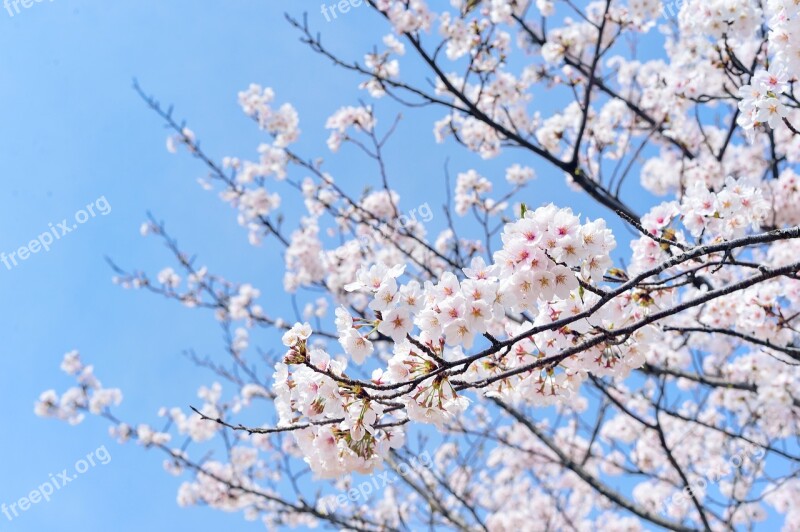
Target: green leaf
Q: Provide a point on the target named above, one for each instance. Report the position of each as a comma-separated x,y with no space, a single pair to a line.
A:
471,4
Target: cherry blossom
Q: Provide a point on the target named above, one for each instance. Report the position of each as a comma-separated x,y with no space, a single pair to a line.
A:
608,361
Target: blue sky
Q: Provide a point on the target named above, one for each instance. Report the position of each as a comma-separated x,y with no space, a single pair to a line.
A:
72,130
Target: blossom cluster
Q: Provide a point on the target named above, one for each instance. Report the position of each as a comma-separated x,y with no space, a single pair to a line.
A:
761,101
736,208
89,395
306,387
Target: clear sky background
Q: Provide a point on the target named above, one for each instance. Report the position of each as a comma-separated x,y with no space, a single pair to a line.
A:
72,130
